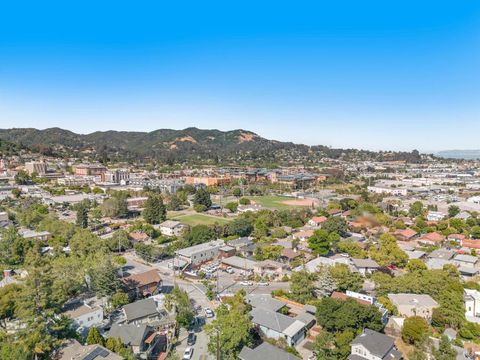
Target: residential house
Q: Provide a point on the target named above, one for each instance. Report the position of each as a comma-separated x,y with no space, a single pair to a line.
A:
373,345
243,246
73,350
414,304
265,351
145,311
84,313
464,260
431,239
171,228
365,266
198,254
143,284
266,302
303,235
457,238
312,265
278,326
405,234
142,338
289,255
435,216
34,235
270,268
471,298
317,221
239,263
443,254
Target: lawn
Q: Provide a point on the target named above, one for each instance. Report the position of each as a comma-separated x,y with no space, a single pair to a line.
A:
200,219
272,201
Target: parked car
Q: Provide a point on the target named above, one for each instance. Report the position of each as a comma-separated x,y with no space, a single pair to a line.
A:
192,338
230,270
187,355
209,313
263,283
246,283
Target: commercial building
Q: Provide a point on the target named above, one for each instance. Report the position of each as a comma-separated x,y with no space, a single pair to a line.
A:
195,255
37,167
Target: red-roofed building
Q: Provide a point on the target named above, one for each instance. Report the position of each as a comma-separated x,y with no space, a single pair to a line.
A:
456,237
471,244
405,234
317,220
432,239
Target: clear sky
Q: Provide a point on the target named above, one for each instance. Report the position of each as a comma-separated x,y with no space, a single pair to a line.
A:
369,74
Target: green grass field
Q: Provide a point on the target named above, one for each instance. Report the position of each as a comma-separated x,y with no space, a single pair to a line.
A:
272,201
200,219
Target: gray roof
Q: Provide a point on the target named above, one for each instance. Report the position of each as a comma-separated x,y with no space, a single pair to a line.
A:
412,300
271,319
266,302
243,241
140,309
415,254
130,334
238,262
378,344
265,351
188,252
365,263
443,254
466,258
436,263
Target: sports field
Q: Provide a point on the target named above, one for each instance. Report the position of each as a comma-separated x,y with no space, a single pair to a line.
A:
200,219
279,202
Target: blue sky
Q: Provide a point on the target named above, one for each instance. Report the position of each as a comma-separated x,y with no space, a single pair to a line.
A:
365,74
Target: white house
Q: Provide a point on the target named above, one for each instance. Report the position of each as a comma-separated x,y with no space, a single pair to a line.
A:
373,345
471,299
171,228
85,314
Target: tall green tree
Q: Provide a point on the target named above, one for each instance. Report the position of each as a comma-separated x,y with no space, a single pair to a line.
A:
202,197
94,337
155,212
301,286
231,328
82,216
322,241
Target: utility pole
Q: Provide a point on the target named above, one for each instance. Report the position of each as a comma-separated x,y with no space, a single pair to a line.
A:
218,345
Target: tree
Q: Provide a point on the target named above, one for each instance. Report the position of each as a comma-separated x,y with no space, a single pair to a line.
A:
388,253
345,279
475,232
119,241
22,178
237,192
231,328
339,315
453,210
415,330
175,203
200,234
324,284
8,294
445,350
240,227
104,278
94,337
416,265
322,241
301,286
244,201
183,307
416,209
232,206
202,197
115,207
119,299
82,216
335,224
155,211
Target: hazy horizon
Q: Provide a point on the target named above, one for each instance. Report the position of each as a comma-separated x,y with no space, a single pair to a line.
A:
376,75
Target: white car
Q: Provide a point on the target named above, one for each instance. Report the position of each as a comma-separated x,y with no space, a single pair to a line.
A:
187,355
209,313
263,283
246,283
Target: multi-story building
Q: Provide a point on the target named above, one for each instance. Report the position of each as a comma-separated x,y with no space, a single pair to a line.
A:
195,255
90,169
37,167
117,176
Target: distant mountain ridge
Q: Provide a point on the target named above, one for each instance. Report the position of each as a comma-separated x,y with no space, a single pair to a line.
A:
187,145
459,154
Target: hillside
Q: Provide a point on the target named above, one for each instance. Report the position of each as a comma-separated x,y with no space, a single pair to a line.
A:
459,154
187,145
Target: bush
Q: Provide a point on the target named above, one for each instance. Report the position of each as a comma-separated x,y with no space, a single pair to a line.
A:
244,201
199,208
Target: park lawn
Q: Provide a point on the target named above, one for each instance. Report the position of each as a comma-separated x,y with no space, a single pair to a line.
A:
272,201
200,219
